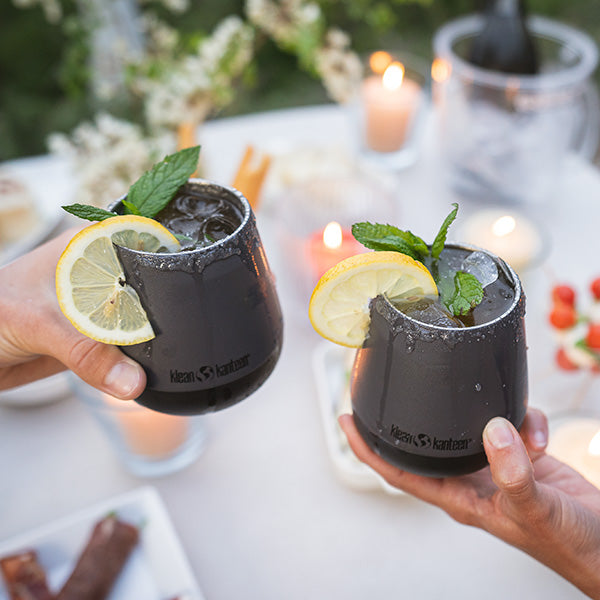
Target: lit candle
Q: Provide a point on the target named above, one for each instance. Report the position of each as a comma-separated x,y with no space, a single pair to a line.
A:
390,100
576,442
329,246
511,237
147,432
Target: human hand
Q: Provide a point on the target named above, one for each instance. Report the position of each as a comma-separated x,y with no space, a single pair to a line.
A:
37,340
525,497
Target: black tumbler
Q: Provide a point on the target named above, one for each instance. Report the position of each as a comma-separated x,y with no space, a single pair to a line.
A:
215,313
422,394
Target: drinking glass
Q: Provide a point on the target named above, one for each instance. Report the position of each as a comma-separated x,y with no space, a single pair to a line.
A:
422,393
148,443
215,312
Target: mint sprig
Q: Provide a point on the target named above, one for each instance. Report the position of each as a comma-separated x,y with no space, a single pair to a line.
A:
155,188
152,191
459,295
376,236
440,238
91,213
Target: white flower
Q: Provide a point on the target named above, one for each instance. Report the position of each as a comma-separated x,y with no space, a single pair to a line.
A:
108,156
52,8
338,66
192,88
176,6
285,20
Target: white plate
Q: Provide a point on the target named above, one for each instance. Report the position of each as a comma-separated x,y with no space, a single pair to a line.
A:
156,570
331,365
49,181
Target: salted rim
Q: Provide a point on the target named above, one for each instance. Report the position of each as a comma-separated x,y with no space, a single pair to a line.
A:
508,271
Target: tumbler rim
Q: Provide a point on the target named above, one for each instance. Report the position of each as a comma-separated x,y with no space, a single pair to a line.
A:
200,182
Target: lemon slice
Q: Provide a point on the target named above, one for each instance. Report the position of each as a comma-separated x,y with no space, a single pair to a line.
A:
339,305
90,282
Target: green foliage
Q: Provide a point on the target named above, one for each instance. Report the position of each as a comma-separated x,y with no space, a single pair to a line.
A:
44,74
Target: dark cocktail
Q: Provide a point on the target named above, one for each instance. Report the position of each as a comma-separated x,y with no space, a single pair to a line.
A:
426,382
213,306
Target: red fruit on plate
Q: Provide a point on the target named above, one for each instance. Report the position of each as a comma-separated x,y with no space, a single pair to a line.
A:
592,339
595,288
563,316
564,362
563,293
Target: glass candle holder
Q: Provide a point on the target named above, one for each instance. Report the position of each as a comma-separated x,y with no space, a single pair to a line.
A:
147,443
389,109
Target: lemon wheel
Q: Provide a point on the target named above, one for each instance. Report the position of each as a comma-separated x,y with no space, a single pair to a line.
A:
90,283
339,305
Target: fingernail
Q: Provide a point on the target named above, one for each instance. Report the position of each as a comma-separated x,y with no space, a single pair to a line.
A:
498,433
123,379
540,439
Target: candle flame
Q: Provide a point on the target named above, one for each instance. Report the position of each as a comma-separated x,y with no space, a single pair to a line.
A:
594,447
504,225
393,76
379,61
440,70
332,235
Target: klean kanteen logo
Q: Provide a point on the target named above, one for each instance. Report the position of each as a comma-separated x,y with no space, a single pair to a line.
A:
424,440
208,372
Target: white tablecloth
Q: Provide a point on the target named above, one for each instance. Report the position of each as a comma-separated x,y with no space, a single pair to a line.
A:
262,514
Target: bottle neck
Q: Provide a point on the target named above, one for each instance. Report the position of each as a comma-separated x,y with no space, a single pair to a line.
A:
507,8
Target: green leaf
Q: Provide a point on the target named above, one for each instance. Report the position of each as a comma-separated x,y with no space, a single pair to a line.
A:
184,240
377,236
468,293
91,213
440,238
155,188
131,209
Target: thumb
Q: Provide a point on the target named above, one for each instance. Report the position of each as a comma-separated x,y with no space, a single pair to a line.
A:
105,367
510,466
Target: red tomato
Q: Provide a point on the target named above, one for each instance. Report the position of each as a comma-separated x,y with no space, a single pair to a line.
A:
595,287
563,293
592,339
563,316
564,362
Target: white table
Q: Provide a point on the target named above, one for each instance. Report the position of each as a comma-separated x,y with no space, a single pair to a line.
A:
262,514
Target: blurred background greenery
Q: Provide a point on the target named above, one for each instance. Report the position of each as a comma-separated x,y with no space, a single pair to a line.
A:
43,67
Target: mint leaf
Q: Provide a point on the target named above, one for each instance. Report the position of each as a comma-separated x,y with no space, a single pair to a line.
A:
468,293
130,209
184,240
91,213
155,188
440,238
377,236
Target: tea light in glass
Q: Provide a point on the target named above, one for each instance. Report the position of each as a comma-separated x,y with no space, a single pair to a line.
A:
576,442
390,100
329,246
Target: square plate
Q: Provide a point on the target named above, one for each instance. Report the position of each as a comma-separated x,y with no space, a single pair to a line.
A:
156,570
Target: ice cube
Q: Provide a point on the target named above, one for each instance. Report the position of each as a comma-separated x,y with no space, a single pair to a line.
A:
429,312
482,266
